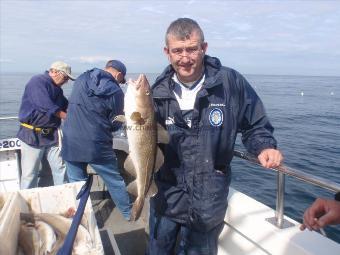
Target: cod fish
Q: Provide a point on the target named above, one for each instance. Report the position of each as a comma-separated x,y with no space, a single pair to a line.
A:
143,133
61,226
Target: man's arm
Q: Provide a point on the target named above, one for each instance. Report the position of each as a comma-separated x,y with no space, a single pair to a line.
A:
257,132
41,98
117,108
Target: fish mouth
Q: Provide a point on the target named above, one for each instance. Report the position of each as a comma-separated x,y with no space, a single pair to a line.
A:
141,84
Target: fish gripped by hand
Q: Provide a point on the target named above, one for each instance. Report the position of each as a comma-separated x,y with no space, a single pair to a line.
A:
143,134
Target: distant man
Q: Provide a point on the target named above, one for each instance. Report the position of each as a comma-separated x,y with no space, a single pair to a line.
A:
43,106
95,100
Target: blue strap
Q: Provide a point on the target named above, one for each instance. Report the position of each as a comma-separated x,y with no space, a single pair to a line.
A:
83,194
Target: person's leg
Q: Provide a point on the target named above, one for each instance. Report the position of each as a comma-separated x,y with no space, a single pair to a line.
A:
163,234
76,171
202,243
115,184
30,165
58,167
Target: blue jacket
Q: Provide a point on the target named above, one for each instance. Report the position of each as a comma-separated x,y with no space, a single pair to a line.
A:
194,180
95,100
41,100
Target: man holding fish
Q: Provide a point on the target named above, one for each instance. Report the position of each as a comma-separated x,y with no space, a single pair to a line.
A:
203,106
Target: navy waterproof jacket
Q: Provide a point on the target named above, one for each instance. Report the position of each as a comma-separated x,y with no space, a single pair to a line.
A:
41,100
194,180
95,100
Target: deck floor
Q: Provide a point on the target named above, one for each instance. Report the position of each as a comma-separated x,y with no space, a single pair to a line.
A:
131,237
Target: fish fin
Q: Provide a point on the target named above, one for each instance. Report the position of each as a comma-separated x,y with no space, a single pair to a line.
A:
129,167
159,159
137,118
137,208
119,118
132,188
162,134
152,189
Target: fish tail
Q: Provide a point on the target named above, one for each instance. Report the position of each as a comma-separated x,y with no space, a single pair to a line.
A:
137,208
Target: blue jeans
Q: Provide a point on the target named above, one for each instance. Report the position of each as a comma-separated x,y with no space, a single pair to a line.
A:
164,232
108,171
31,164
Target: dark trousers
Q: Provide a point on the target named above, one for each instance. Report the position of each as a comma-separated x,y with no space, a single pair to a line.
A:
165,234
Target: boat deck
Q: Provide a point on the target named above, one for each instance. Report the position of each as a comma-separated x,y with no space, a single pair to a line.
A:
130,238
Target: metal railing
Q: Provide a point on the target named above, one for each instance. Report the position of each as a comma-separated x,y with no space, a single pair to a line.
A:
283,170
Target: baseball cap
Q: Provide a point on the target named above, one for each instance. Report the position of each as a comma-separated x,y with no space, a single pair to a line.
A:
118,65
63,67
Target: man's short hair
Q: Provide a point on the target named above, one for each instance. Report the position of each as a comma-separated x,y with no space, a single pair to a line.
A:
182,28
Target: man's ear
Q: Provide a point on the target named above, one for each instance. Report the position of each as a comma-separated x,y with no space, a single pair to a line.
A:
120,77
166,52
204,47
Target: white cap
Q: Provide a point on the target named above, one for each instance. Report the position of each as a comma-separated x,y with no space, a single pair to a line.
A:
63,67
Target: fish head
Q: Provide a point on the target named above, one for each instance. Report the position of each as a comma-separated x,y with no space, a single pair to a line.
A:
139,96
142,87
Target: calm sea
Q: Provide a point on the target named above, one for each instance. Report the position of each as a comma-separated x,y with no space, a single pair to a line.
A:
305,112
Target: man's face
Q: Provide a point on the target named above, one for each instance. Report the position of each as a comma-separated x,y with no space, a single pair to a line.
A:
186,56
59,77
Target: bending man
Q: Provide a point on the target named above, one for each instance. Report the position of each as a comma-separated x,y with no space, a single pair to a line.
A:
95,100
42,107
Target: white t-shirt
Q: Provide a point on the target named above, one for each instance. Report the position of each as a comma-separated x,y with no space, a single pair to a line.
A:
185,94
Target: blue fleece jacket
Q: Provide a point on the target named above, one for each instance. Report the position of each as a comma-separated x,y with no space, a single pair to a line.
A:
40,102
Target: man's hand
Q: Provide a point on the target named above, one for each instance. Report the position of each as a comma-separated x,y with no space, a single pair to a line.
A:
270,158
61,115
321,213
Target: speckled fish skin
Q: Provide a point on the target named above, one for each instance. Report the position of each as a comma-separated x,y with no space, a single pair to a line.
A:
142,135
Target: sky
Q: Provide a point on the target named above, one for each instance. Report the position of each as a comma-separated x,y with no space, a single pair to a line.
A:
253,37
